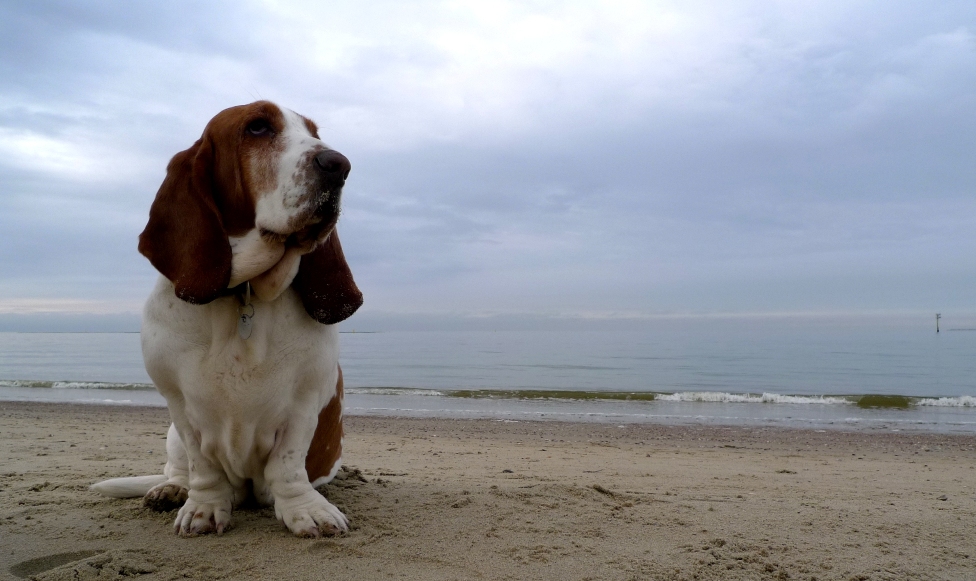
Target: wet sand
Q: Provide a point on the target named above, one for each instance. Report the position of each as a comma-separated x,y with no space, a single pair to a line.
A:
483,499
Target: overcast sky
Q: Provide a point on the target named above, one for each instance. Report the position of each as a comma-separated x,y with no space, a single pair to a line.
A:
619,159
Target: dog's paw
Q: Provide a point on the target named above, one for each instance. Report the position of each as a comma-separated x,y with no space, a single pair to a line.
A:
165,497
311,515
199,518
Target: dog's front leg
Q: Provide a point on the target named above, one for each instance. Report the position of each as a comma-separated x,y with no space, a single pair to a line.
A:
210,497
171,494
299,506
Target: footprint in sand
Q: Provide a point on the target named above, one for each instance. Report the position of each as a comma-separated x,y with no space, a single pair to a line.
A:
83,566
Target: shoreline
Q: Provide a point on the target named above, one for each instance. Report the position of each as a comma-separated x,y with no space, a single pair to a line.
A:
692,408
497,499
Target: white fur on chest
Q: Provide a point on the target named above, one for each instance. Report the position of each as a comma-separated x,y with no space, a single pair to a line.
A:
238,395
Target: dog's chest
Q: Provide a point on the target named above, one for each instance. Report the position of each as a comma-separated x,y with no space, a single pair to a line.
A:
201,345
238,393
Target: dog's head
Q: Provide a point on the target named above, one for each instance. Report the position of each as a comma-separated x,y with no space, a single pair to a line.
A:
257,169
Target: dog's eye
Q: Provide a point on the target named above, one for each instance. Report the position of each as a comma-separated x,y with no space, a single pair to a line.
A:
259,127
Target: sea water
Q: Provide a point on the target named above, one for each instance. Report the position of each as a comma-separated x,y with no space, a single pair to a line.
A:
804,372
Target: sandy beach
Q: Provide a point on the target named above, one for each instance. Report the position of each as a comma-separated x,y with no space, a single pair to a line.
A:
481,499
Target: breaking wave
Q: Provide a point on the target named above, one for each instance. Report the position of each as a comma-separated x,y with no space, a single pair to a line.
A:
717,397
964,401
74,384
722,397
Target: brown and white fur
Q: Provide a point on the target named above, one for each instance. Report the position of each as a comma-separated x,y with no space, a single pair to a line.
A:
254,200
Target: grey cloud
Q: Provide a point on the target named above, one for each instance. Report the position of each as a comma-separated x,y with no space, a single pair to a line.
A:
802,160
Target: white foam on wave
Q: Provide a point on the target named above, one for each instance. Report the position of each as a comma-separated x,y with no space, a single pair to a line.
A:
99,385
963,401
73,384
393,391
723,397
23,383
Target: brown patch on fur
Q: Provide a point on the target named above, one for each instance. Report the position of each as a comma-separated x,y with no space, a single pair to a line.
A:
313,129
185,238
260,154
207,195
324,283
236,180
326,447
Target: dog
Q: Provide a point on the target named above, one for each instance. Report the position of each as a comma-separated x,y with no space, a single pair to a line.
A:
239,334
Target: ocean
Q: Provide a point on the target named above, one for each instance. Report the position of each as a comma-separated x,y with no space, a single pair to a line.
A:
800,372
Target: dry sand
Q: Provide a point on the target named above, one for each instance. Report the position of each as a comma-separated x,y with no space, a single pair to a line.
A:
474,499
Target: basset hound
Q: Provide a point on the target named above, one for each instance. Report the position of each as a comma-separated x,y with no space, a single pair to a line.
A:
239,335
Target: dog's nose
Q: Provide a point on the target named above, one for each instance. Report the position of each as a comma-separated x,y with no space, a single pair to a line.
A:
333,165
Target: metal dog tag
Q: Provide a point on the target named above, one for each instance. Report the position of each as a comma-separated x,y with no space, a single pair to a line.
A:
244,321
245,315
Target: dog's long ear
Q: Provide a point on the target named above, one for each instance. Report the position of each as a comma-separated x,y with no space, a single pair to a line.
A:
325,285
185,238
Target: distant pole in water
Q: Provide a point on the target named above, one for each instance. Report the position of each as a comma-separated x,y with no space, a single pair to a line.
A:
937,317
